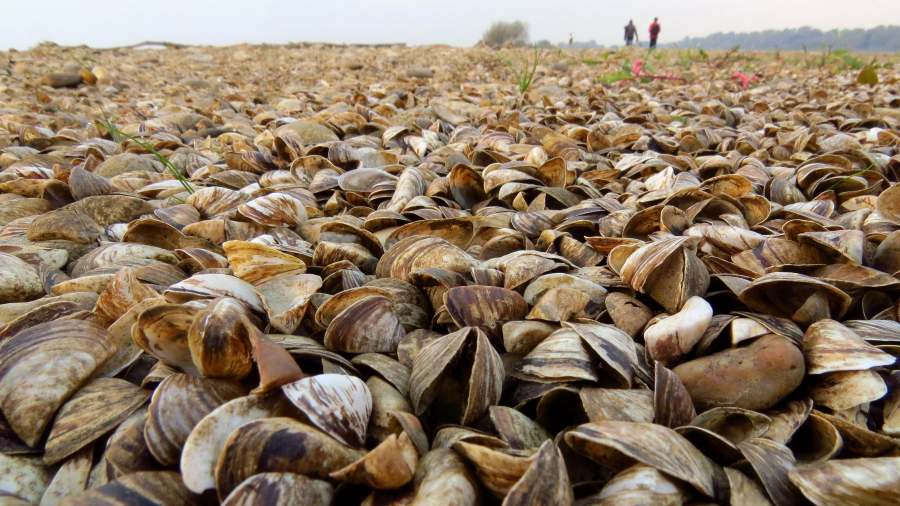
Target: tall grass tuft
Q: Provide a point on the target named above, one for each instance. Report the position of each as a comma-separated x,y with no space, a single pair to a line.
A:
524,79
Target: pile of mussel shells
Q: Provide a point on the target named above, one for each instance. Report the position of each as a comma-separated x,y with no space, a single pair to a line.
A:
645,296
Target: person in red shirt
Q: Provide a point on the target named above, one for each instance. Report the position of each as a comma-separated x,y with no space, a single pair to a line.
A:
654,32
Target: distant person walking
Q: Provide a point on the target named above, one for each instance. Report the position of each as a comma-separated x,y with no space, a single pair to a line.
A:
630,33
654,32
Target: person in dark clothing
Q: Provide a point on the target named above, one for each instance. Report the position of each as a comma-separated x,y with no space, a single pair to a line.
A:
654,32
630,33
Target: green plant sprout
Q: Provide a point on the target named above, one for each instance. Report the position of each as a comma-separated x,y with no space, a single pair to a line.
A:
616,77
524,79
867,169
850,61
595,62
165,161
109,125
78,60
686,59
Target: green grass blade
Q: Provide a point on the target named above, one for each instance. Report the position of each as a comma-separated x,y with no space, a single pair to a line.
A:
165,161
848,177
512,68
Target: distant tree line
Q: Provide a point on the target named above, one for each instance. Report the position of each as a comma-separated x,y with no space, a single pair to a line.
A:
883,39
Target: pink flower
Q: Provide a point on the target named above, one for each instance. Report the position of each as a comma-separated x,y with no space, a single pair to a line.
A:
755,79
745,81
637,67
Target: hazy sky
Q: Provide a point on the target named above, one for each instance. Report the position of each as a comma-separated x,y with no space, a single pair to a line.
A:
104,23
